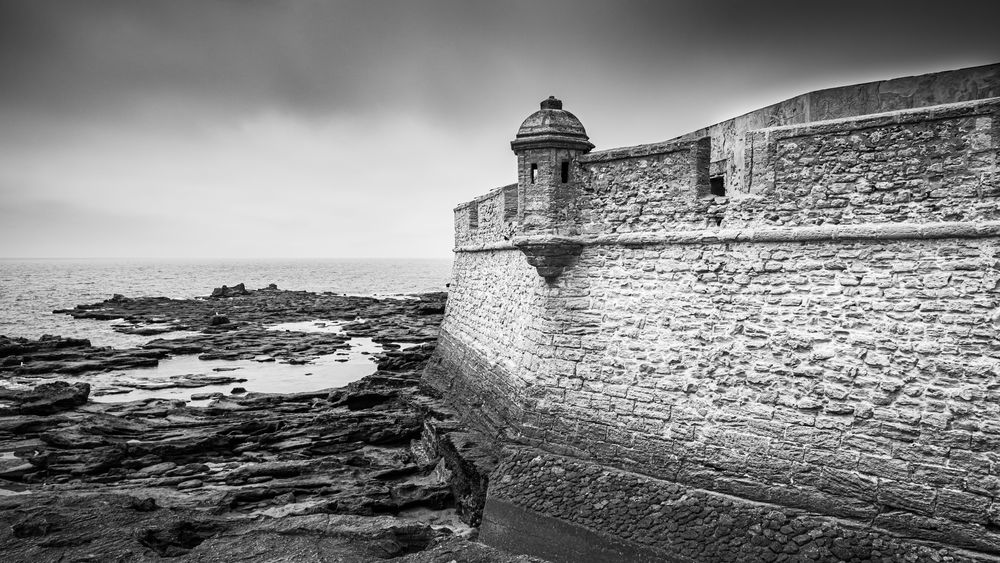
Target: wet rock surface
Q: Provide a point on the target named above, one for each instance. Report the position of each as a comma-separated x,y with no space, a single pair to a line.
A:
374,470
53,356
47,398
231,324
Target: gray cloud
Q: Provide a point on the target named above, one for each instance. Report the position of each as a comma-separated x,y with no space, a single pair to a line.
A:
377,103
316,56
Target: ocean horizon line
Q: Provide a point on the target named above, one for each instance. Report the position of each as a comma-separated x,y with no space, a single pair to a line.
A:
221,258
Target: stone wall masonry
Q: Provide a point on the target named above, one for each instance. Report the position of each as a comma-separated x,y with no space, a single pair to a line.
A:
671,522
493,220
824,233
806,369
853,379
547,205
920,164
489,342
932,164
729,137
647,188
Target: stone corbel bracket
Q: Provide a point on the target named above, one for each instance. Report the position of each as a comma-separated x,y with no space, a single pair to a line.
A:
549,255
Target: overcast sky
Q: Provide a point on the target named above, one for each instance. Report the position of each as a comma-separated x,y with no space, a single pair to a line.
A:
307,128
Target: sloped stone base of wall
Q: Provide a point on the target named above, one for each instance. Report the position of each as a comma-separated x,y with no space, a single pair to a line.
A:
479,389
552,506
521,530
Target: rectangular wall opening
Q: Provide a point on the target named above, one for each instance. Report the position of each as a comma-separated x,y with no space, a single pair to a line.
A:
474,215
565,171
717,185
534,171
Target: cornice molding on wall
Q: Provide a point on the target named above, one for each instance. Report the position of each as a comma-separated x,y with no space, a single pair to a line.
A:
828,233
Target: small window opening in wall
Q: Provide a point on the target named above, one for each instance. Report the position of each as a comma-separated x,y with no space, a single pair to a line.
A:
565,172
534,171
717,185
473,216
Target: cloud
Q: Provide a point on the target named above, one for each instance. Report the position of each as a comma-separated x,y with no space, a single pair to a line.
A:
348,128
327,57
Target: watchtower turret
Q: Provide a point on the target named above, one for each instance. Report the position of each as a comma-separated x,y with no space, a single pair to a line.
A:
546,144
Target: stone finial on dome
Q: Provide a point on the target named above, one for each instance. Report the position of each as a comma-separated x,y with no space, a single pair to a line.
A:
551,103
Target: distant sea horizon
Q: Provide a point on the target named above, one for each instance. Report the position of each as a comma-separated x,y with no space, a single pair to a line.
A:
30,288
212,258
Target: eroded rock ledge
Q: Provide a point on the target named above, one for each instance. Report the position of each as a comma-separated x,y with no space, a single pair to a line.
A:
378,469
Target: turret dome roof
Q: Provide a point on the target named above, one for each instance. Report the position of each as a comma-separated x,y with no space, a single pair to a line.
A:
551,119
552,124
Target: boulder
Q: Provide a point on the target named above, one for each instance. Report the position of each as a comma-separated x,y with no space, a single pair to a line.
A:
49,398
156,469
226,291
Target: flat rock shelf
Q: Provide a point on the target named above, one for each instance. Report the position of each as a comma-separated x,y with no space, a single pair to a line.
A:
373,470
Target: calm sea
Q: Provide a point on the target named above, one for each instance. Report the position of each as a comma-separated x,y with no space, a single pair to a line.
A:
31,289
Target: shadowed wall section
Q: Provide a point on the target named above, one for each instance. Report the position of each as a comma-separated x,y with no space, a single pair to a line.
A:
486,346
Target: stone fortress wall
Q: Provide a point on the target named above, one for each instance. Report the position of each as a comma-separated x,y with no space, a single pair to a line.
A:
806,367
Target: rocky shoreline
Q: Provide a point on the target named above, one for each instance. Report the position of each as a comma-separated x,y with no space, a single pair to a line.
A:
375,470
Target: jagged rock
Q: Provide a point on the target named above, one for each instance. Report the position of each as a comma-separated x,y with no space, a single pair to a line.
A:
47,398
245,336
176,538
320,467
54,354
403,360
185,381
459,549
72,438
14,468
225,291
432,303
142,505
156,469
316,538
47,342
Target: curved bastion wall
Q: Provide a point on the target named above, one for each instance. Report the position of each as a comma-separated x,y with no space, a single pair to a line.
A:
806,367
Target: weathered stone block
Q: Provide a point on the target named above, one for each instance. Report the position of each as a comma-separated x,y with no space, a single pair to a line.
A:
962,506
907,496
